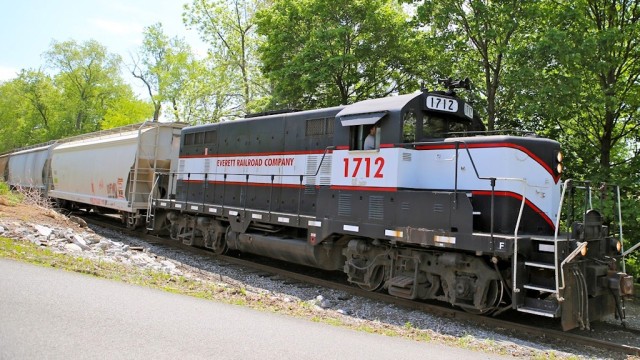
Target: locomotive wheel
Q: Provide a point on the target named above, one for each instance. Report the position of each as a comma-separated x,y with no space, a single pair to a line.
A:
494,297
375,281
219,245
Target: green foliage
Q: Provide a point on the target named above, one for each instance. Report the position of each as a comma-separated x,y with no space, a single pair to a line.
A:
84,89
90,80
633,266
477,39
125,111
169,70
8,197
325,53
228,27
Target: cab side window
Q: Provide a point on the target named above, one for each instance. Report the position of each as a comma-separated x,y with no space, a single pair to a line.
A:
409,121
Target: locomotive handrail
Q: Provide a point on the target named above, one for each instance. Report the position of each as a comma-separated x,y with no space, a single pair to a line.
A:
588,202
632,249
571,256
180,175
555,238
520,212
156,178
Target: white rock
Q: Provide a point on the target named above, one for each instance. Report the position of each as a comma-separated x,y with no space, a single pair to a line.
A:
113,251
34,239
78,240
43,230
91,239
168,265
2,230
103,244
73,248
325,304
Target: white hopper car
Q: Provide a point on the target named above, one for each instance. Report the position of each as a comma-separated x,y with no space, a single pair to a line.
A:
107,171
28,168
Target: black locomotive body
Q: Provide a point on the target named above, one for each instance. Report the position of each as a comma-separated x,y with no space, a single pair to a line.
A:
435,211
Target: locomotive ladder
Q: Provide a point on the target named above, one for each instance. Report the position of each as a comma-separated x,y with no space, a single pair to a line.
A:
554,268
547,244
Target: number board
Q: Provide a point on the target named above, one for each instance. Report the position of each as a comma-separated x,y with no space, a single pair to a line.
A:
442,104
468,111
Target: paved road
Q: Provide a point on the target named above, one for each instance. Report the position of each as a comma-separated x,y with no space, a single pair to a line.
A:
49,313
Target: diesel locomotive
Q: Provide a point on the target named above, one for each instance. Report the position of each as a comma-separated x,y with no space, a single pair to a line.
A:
438,209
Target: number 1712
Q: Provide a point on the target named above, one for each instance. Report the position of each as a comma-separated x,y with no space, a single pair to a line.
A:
352,166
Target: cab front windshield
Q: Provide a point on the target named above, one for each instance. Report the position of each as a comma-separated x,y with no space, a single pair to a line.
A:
430,126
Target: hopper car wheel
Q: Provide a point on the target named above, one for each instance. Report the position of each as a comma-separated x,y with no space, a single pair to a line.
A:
375,281
131,221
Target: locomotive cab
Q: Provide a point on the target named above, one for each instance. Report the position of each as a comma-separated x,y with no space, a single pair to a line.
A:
407,119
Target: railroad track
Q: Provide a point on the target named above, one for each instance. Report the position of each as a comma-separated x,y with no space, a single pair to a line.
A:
574,338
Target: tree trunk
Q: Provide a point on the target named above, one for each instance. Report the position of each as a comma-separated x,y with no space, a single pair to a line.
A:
156,110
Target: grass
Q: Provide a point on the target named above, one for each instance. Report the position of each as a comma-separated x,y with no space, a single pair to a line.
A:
8,197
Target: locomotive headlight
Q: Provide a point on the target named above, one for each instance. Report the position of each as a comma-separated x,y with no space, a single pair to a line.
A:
618,246
583,252
559,158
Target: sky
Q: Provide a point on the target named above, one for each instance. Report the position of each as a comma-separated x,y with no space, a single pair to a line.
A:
28,27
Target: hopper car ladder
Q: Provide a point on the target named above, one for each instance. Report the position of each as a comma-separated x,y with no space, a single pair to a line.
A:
141,180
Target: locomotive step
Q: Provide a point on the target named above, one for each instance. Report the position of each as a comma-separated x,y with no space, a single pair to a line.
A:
537,311
540,288
550,238
543,265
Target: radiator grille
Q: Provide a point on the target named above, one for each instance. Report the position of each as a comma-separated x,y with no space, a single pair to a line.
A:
344,205
376,207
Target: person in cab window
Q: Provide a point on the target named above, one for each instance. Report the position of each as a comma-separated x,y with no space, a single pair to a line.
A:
370,140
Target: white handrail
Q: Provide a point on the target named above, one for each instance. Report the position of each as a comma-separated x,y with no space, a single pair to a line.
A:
150,197
555,237
515,235
574,253
624,270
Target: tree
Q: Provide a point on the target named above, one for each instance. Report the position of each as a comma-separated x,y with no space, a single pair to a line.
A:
167,67
604,36
89,77
38,90
479,37
124,111
228,26
326,52
83,93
